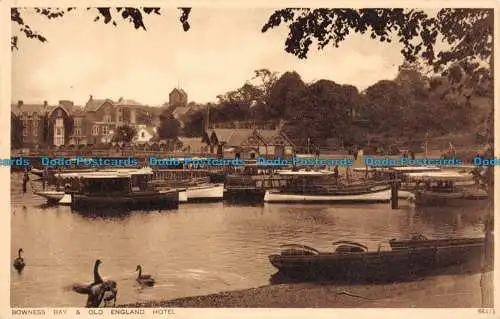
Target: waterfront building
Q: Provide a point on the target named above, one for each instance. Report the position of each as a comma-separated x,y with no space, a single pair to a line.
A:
250,143
44,125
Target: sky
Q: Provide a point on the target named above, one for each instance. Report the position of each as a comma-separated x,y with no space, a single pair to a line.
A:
218,54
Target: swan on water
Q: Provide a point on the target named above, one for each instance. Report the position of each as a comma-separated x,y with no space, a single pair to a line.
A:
19,262
144,279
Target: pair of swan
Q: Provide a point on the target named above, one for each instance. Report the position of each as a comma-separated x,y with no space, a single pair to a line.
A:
98,291
106,290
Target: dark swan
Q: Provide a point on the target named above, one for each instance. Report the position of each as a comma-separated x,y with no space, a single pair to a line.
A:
99,290
146,280
19,262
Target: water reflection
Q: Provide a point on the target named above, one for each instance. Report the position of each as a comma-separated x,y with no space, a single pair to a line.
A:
193,250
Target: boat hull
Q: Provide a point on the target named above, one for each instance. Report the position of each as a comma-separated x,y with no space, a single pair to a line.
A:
383,196
374,266
205,193
66,200
51,196
244,195
459,199
183,198
145,200
411,244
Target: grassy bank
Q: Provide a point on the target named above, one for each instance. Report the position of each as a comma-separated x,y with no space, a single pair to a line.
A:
452,291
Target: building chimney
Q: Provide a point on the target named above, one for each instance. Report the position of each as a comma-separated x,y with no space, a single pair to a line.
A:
91,97
20,103
45,103
120,99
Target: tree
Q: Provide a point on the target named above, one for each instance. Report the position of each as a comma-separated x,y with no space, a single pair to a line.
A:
47,130
169,126
68,128
324,112
284,96
124,134
106,15
467,61
236,105
195,123
16,132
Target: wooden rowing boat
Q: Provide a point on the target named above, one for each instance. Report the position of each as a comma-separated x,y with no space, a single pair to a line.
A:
351,261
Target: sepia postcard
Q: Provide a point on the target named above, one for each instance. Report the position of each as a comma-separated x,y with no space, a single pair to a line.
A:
226,158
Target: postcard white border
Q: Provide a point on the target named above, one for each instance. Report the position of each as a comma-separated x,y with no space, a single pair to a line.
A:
254,313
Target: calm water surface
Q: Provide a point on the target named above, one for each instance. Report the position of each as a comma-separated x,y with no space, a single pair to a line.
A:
194,250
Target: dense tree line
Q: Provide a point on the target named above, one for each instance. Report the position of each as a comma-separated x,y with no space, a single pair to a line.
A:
408,107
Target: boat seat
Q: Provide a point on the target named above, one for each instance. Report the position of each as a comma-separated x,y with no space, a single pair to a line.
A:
349,249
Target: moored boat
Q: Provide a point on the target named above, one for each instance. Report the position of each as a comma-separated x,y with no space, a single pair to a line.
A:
378,196
424,242
52,196
352,261
447,189
249,183
205,192
183,196
124,190
319,187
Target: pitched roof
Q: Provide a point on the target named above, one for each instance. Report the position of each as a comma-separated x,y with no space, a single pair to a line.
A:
181,91
128,102
77,110
269,135
194,143
29,109
94,104
232,137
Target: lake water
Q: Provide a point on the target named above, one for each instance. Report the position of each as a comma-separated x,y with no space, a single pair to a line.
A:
196,249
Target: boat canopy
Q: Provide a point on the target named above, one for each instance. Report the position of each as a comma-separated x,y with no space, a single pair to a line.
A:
107,172
304,173
371,169
108,176
348,242
415,168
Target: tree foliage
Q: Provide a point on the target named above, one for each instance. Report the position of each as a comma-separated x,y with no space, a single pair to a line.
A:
124,134
169,126
16,132
195,123
112,16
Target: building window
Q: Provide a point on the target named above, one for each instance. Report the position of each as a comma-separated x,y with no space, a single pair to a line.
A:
105,130
77,121
78,131
120,119
58,131
25,131
107,118
95,130
35,131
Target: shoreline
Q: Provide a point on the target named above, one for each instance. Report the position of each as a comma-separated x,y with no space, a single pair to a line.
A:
447,291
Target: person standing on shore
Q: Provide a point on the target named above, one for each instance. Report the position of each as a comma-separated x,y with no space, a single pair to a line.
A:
45,177
26,179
